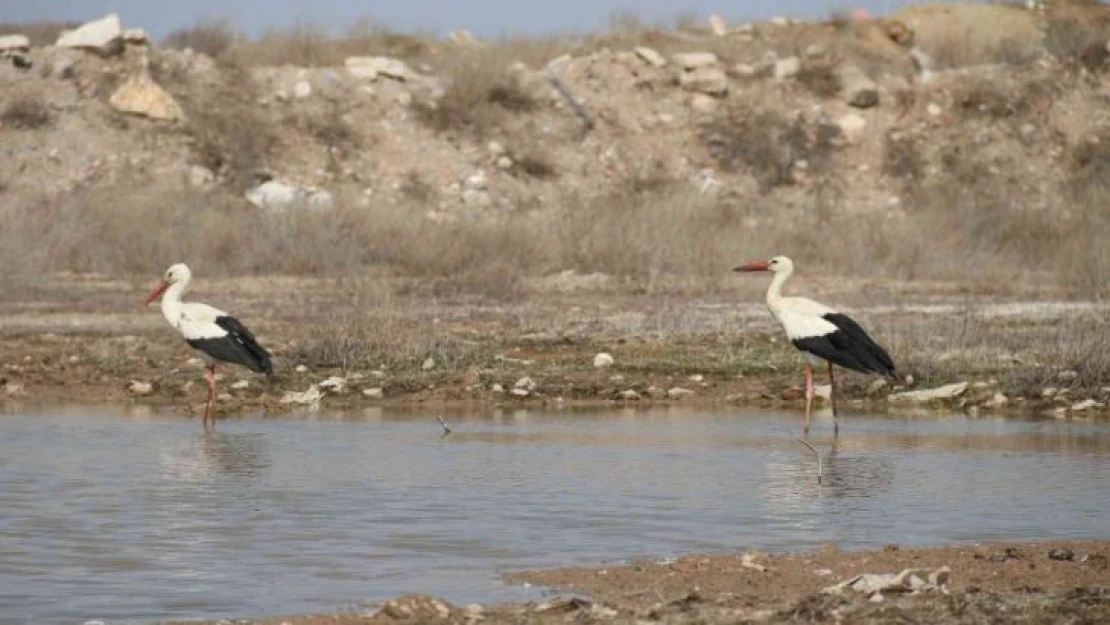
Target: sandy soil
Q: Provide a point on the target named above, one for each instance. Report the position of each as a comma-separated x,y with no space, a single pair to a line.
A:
1028,582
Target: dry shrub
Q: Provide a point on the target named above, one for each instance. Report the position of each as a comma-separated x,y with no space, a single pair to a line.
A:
232,135
902,159
381,334
38,33
211,37
1066,38
27,111
483,90
820,79
1087,257
309,45
767,144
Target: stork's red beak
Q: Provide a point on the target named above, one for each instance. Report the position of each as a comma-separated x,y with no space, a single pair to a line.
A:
157,293
759,265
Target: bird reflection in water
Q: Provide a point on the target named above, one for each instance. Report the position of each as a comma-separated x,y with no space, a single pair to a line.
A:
238,455
856,476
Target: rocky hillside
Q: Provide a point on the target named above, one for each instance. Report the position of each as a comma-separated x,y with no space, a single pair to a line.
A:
919,145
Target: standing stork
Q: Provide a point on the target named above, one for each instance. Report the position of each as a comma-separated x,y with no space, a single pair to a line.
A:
820,333
216,335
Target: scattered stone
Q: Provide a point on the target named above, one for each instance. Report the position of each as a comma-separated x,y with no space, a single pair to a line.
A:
629,394
718,25
373,67
708,80
689,61
748,561
996,400
302,90
496,149
418,609
909,580
276,196
933,109
241,384
497,388
941,393
473,611
140,95
822,391
1049,392
200,177
786,68
852,126
1086,404
703,103
301,369
103,36
14,43
428,364
477,181
745,70
603,359
519,392
678,392
504,162
1061,554
856,87
525,383
334,384
374,393
697,377
815,50
140,388
651,56
310,397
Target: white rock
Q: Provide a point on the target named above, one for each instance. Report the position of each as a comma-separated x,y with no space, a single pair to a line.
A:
200,177
301,369
334,384
629,394
852,126
875,387
693,60
103,36
746,70
14,43
519,392
525,383
302,90
678,392
948,391
241,384
276,196
933,109
651,56
373,67
310,397
707,80
697,377
822,391
428,364
703,103
1086,404
815,50
497,388
603,359
996,400
140,388
718,25
495,148
504,162
477,181
785,68
373,393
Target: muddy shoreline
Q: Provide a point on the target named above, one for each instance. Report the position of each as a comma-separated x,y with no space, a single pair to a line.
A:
1006,582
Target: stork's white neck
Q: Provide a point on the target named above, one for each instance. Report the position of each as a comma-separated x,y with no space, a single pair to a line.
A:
774,292
171,302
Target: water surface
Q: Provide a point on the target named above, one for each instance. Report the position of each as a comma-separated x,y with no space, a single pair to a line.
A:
130,519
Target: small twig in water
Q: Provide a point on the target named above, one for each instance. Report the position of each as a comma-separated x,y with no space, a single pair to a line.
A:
446,428
820,470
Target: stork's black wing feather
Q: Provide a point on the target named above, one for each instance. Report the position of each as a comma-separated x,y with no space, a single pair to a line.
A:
848,346
237,346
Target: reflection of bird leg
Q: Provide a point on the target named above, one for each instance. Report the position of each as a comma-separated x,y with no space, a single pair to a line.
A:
809,396
832,400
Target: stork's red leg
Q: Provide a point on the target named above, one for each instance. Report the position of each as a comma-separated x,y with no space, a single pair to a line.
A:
809,396
210,406
832,399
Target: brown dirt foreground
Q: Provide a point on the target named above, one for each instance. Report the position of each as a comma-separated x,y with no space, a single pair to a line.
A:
1030,582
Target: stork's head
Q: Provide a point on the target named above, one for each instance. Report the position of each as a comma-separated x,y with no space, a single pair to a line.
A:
777,264
177,274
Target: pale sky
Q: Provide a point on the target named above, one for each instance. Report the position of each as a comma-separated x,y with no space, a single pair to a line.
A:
483,17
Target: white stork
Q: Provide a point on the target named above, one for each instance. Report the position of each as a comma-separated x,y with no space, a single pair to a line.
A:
820,333
216,335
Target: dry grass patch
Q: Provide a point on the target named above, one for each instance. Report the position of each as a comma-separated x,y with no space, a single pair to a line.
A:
483,89
309,45
26,111
211,37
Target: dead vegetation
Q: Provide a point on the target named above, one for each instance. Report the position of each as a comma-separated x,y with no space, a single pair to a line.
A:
25,111
212,37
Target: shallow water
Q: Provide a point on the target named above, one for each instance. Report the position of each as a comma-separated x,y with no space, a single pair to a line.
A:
129,519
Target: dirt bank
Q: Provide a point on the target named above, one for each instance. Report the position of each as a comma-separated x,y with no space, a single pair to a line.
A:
1027,582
